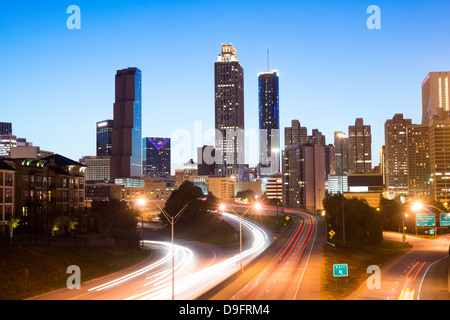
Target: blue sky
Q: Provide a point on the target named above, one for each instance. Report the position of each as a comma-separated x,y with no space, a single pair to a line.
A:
57,83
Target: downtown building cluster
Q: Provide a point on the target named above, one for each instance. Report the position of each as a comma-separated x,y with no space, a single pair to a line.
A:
414,161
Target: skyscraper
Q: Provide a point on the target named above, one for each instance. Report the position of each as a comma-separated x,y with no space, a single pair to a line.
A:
295,134
269,122
5,128
229,113
439,148
435,95
156,157
104,138
359,148
396,154
304,175
419,182
340,153
126,151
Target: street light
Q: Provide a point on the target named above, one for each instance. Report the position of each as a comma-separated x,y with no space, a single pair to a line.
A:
172,221
416,206
141,203
403,222
257,206
341,136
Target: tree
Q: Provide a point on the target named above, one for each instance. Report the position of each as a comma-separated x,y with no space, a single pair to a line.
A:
12,224
391,212
362,222
198,207
246,194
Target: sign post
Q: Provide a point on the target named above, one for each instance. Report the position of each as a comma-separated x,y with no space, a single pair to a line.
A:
340,271
425,220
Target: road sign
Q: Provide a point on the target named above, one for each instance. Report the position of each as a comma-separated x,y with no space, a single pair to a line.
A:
331,233
445,220
340,270
425,220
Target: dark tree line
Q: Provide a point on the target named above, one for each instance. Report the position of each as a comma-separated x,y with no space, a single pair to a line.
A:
363,223
200,208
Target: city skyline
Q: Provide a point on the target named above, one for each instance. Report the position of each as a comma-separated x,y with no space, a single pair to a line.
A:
312,57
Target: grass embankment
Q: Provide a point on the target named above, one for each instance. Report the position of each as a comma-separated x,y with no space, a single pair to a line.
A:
47,266
358,258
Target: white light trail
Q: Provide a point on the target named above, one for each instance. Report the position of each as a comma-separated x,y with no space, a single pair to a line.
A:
194,284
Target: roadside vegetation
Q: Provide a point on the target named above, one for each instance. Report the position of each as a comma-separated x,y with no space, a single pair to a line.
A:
29,270
364,245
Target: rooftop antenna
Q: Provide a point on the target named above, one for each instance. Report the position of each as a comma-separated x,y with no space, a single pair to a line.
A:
268,69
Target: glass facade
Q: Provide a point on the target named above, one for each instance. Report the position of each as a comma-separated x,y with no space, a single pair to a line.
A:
104,138
156,157
269,120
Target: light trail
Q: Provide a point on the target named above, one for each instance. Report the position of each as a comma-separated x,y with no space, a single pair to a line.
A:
194,284
185,253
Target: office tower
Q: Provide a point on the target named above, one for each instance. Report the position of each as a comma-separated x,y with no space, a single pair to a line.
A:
439,135
295,134
104,138
205,160
98,168
396,154
435,95
156,157
7,141
330,160
317,137
5,128
340,153
269,122
359,148
229,113
304,176
126,150
419,183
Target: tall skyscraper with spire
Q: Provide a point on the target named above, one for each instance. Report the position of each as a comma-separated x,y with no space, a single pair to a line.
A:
269,122
229,113
126,159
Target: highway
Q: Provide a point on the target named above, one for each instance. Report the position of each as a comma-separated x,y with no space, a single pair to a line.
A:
197,268
293,273
419,274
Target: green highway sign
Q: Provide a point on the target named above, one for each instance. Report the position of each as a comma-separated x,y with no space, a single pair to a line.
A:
445,220
340,270
425,220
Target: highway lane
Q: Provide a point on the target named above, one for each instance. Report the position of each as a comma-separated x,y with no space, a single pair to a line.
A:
294,272
197,268
419,274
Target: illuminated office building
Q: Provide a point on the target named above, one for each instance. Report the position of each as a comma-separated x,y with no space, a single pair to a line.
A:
396,154
126,160
269,122
435,95
229,114
104,138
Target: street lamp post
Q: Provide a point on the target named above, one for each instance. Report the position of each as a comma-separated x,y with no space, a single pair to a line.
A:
403,222
341,136
172,221
257,207
141,203
416,206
